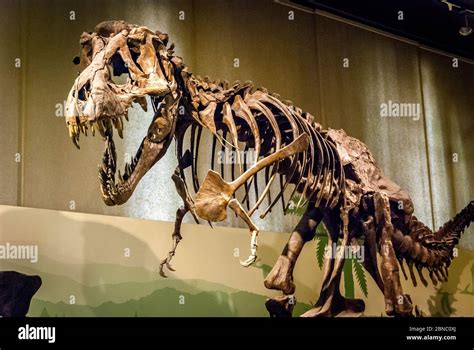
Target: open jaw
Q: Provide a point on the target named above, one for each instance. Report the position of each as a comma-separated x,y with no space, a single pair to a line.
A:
143,64
118,186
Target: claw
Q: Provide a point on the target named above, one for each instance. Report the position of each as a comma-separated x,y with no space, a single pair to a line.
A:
167,261
168,265
161,272
251,259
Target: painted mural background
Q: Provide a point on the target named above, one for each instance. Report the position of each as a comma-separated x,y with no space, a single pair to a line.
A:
96,265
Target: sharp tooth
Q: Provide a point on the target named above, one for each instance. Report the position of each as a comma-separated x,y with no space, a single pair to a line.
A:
100,127
120,177
102,175
126,117
109,128
113,187
92,128
128,169
71,131
74,141
112,164
120,129
118,124
108,123
120,121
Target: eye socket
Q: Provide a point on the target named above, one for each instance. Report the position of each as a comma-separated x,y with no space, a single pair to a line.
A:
83,93
118,65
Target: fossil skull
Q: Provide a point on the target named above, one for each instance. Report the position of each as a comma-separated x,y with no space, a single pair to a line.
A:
100,102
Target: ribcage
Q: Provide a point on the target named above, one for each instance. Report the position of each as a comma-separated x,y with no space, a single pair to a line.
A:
242,118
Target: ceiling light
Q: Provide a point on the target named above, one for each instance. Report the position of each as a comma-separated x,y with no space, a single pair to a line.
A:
450,5
466,30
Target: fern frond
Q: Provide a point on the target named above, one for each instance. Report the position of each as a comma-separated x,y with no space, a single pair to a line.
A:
360,277
293,207
321,231
322,242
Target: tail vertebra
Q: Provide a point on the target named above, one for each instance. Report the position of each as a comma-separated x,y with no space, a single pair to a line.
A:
452,230
434,251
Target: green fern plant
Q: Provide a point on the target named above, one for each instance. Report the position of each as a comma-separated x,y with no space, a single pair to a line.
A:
352,267
295,206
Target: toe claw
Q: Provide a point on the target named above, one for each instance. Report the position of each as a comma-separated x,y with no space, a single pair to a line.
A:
251,259
162,265
162,273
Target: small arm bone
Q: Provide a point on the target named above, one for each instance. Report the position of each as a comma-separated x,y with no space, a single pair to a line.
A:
240,211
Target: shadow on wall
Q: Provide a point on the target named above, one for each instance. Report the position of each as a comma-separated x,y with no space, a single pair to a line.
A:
89,253
441,303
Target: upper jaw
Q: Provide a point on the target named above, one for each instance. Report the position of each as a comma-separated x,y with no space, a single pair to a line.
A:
76,126
84,122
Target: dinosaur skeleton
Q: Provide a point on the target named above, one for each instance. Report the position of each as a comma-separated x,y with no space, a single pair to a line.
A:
333,173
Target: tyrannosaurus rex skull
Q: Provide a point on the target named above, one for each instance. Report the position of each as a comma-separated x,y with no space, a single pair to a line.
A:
97,102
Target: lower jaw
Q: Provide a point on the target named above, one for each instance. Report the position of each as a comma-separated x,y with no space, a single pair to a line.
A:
147,155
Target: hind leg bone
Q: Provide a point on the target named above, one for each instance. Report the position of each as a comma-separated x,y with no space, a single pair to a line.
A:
331,302
281,276
396,303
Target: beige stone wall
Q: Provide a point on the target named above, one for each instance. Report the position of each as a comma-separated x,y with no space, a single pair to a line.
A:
300,59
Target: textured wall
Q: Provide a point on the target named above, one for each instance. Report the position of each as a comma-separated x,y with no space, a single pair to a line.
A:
449,109
302,60
271,52
9,101
380,70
